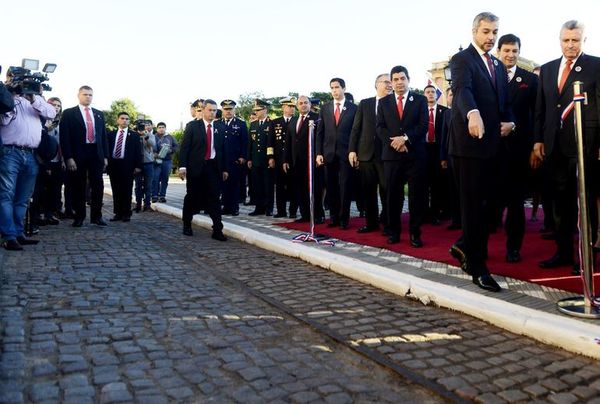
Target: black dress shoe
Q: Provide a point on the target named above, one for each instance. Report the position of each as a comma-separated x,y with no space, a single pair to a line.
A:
302,220
116,218
513,256
77,223
256,212
187,231
219,236
99,222
555,261
52,221
334,223
344,225
548,236
26,241
279,215
393,240
435,221
319,220
269,213
235,213
486,282
453,226
459,254
367,229
416,241
12,245
138,209
293,216
126,218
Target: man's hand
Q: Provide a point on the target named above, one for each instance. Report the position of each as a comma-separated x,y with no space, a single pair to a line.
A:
105,164
271,162
506,128
476,128
136,171
534,161
286,167
320,160
397,143
225,175
71,166
182,173
30,97
353,159
444,164
241,161
538,149
250,164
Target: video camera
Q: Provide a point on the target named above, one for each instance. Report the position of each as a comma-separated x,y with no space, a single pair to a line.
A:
23,81
140,123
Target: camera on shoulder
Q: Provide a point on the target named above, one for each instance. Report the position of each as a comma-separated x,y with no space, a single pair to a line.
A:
22,80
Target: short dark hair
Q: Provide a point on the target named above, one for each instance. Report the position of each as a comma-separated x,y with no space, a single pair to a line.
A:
399,69
428,86
122,113
197,103
509,39
209,101
85,88
341,81
161,124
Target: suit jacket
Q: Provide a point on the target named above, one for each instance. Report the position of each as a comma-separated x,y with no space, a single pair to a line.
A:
363,139
132,158
193,147
73,134
414,123
473,89
332,139
259,150
444,139
297,141
550,105
522,90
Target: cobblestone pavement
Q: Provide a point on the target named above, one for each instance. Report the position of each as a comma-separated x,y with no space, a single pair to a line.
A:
121,314
137,312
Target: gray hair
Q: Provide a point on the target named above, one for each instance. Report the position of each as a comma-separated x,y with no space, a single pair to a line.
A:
573,24
487,16
380,76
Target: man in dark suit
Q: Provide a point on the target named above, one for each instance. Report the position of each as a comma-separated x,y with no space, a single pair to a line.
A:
401,127
434,195
124,161
201,162
451,207
365,153
283,181
235,134
85,151
555,134
516,148
333,137
261,161
296,162
480,115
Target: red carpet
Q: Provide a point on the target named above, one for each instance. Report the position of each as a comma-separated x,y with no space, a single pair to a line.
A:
437,240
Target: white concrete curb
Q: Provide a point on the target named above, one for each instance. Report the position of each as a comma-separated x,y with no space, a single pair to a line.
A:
554,329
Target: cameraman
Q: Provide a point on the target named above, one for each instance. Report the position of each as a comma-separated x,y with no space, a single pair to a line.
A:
21,132
144,180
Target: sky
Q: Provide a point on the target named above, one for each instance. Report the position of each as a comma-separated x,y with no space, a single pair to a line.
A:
164,54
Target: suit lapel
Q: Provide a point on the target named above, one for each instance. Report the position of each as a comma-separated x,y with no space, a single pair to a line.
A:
576,71
408,105
79,116
482,67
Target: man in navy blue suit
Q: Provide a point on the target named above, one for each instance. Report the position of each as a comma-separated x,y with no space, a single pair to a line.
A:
402,120
333,137
481,114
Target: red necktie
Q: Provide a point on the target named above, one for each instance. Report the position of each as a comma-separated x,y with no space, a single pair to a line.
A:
565,74
300,122
89,125
208,150
491,67
119,145
400,107
336,114
431,129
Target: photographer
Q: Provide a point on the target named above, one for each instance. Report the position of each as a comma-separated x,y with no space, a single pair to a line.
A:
144,180
21,132
166,145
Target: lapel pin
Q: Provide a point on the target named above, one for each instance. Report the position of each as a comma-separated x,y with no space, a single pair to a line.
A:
578,69
411,98
495,63
519,79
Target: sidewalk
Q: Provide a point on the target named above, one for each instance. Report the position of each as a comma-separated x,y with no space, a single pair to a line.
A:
521,307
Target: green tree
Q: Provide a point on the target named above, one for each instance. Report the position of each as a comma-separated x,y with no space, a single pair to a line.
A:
245,103
324,97
178,135
118,106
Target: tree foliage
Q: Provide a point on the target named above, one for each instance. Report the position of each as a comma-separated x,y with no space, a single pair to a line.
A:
118,106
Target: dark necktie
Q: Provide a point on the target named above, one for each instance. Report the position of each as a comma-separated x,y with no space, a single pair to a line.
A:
431,128
491,67
208,150
300,122
119,145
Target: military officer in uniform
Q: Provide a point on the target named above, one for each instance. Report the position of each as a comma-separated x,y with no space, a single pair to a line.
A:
235,134
261,161
283,181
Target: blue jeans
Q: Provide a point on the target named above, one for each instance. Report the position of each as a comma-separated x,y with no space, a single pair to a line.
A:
18,172
161,178
143,184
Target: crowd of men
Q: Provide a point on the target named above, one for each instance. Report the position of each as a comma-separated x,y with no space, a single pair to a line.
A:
503,129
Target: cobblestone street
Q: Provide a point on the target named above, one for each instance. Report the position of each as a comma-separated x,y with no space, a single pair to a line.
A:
138,312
